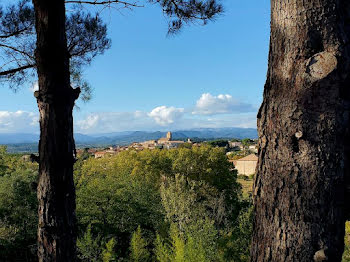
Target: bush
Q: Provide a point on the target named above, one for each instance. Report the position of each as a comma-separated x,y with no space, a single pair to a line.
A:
108,254
18,208
89,247
346,254
138,247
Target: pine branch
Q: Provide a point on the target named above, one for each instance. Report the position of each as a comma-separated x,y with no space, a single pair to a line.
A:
106,2
15,70
16,50
15,33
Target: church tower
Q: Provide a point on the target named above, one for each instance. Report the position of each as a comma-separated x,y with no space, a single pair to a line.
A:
169,136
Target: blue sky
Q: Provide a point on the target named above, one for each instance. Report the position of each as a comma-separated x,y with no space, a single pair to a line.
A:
206,76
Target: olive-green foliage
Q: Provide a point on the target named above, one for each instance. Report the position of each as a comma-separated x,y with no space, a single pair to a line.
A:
186,145
200,229
92,248
116,207
198,163
186,201
247,142
219,143
115,201
117,194
138,247
178,244
2,159
346,255
18,208
162,250
209,165
108,254
89,247
197,244
235,244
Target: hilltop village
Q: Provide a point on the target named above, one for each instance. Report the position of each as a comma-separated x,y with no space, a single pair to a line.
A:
162,143
242,154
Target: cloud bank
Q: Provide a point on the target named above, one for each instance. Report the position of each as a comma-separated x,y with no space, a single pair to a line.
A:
19,121
209,111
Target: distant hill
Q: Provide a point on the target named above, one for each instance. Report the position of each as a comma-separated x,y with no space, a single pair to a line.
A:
28,142
18,138
213,133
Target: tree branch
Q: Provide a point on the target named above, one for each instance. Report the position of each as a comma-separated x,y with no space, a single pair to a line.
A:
16,50
14,33
15,70
106,2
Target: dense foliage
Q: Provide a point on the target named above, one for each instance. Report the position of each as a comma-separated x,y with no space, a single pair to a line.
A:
161,205
18,208
346,255
155,205
219,143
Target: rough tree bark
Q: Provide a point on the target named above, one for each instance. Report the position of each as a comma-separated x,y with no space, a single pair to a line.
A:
56,193
304,161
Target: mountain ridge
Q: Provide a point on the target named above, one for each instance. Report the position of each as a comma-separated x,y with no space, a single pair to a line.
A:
127,137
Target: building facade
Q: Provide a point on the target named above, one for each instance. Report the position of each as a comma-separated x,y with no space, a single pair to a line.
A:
246,165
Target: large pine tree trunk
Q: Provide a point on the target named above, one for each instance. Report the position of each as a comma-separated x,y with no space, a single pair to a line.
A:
303,123
56,193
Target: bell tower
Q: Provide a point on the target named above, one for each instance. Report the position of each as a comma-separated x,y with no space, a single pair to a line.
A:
169,136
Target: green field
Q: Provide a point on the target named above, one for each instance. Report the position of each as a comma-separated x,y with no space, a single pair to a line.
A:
247,186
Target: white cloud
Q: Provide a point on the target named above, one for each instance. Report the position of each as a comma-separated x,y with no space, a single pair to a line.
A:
166,115
113,122
19,121
91,121
221,104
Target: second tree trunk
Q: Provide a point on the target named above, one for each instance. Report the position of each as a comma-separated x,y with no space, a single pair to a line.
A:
301,180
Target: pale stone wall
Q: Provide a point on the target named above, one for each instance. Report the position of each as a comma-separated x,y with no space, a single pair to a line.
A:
246,167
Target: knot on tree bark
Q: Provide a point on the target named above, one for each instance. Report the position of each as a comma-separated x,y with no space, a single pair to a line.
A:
320,256
321,65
